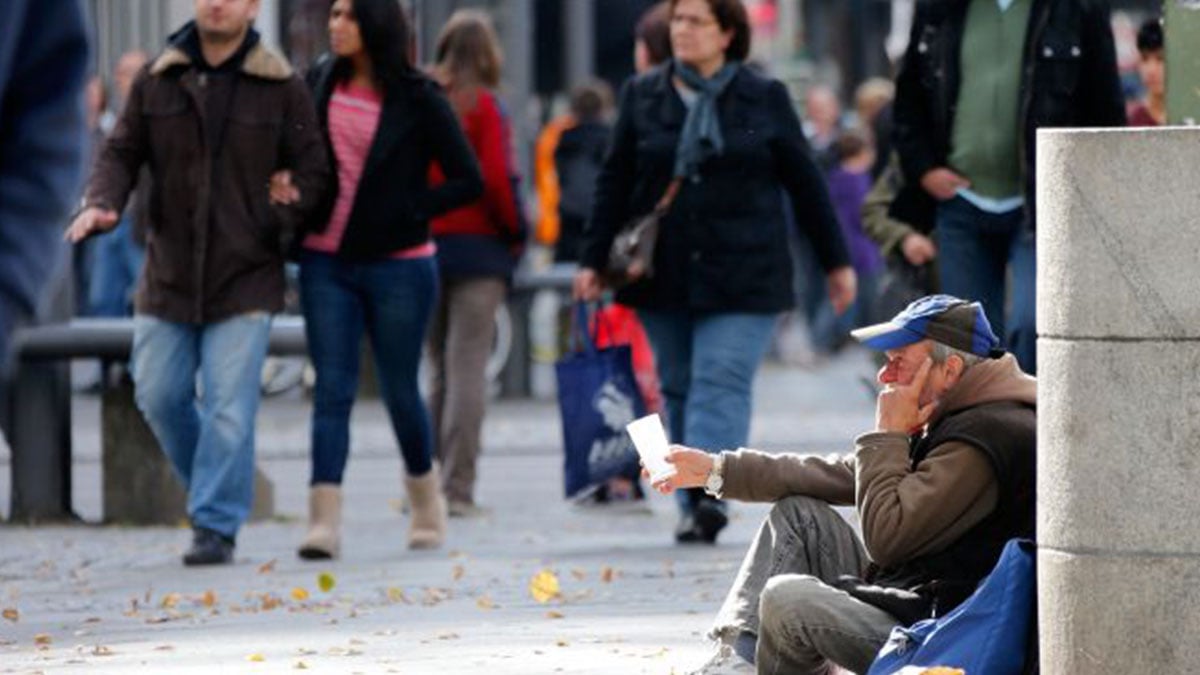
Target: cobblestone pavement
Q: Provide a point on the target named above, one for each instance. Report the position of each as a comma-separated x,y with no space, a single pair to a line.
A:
111,599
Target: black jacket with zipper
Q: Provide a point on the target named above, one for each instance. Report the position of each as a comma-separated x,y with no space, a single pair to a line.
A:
394,202
723,244
1069,78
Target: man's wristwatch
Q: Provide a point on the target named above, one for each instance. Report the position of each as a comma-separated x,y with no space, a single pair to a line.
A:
716,476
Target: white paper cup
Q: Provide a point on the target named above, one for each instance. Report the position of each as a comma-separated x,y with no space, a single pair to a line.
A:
650,439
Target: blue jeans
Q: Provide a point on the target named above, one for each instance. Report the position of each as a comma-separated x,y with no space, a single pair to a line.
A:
116,265
392,300
706,365
207,435
976,252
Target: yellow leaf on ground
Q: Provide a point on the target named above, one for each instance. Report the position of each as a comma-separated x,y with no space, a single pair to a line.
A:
300,665
170,600
270,602
11,614
562,643
484,602
606,574
258,658
554,615
397,595
299,593
101,650
42,639
326,582
267,567
209,598
544,586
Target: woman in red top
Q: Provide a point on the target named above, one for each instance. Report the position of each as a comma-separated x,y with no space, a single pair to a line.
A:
478,246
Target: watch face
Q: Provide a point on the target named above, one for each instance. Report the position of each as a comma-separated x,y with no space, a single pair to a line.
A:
714,483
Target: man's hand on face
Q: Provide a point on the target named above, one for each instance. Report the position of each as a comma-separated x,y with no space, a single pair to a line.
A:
899,408
691,469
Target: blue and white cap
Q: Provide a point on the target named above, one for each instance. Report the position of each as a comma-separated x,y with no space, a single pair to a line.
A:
951,321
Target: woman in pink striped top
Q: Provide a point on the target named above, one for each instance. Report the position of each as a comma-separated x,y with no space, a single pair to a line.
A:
369,265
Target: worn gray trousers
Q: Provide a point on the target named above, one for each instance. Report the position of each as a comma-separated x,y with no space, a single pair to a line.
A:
780,594
460,339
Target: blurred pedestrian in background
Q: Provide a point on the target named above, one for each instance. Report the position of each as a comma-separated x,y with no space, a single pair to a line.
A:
43,70
214,115
873,112
1151,111
369,266
979,78
577,162
478,247
729,142
849,182
118,255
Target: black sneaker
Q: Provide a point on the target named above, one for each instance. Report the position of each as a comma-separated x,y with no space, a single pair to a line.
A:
710,519
686,531
208,548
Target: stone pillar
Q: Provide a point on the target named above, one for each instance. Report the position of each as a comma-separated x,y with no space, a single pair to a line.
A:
1119,401
140,487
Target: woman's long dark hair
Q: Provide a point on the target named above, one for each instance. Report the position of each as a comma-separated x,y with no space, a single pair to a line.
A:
386,35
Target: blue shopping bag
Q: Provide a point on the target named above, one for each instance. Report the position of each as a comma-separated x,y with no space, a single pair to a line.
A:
988,634
597,396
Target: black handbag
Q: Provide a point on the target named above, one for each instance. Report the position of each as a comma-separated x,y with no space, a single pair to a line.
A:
631,255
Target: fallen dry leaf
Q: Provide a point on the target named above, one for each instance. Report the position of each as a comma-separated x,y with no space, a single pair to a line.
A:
271,601
484,602
257,658
326,582
300,665
299,593
165,648
447,636
562,643
554,615
606,574
397,595
209,598
579,574
458,572
544,586
169,600
102,650
11,614
42,639
268,567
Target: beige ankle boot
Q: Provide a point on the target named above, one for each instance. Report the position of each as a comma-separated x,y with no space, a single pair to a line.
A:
428,528
323,540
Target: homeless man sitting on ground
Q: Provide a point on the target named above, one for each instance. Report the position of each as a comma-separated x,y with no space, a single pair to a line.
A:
944,480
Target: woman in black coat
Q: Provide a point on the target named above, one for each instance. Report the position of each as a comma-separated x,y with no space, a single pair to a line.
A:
722,271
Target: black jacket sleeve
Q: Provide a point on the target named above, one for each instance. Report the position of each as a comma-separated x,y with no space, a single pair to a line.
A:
804,183
464,182
1100,83
613,186
912,120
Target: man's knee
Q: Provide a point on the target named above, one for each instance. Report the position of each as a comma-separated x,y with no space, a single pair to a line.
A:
802,511
158,395
786,596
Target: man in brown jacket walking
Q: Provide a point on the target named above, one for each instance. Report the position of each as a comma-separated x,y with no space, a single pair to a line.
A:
213,117
941,483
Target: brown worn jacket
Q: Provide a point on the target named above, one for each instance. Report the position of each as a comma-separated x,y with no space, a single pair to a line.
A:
904,513
199,268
